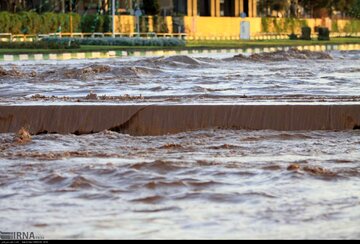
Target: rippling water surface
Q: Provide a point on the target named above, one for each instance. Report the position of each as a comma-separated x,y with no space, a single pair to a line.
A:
204,184
185,78
200,184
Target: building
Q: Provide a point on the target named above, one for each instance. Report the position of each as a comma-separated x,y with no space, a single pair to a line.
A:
222,8
197,18
206,8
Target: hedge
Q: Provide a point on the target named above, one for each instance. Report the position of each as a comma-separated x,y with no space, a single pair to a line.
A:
282,25
60,44
324,34
352,26
95,23
305,33
34,23
120,41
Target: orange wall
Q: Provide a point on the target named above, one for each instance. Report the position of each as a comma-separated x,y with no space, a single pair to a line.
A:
218,26
213,26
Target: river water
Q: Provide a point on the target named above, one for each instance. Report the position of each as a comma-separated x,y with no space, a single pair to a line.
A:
200,184
185,79
203,184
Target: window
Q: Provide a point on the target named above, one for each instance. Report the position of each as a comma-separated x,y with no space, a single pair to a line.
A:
227,7
180,7
204,7
246,7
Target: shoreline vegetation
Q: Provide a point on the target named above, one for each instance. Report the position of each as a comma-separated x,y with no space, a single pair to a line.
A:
30,22
190,45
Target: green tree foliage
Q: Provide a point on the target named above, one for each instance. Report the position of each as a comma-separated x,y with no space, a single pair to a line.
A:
355,10
93,23
151,7
279,5
10,23
33,23
343,6
282,25
276,5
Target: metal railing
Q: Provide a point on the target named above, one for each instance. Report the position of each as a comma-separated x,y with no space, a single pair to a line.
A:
8,37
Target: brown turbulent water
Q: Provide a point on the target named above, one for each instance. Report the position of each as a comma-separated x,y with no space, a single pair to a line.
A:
299,76
201,184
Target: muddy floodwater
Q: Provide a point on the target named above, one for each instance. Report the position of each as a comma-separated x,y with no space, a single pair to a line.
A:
197,184
204,184
285,77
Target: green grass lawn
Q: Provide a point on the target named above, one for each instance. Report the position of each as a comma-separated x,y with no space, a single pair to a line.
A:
84,48
189,45
269,43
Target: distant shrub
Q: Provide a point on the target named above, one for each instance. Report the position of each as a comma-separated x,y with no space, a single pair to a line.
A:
265,25
282,25
334,26
305,33
58,44
293,36
352,26
34,23
94,23
324,34
107,25
30,22
120,41
10,23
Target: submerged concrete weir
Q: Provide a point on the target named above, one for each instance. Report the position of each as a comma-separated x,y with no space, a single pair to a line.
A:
164,119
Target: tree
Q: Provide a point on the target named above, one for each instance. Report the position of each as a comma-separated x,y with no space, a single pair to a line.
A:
315,7
344,6
10,5
355,9
273,5
62,6
279,5
151,7
293,9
